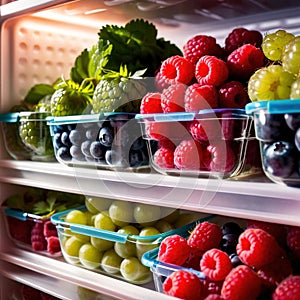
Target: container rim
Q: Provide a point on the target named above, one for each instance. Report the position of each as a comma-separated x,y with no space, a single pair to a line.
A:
274,106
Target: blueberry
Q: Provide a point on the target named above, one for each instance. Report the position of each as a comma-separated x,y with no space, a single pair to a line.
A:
293,120
235,260
92,133
85,148
137,158
71,126
231,227
63,154
280,159
229,242
106,136
58,128
272,127
65,139
57,140
297,139
115,158
97,150
75,152
76,137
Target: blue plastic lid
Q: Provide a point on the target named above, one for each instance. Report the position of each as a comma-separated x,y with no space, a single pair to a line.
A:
12,117
189,116
274,106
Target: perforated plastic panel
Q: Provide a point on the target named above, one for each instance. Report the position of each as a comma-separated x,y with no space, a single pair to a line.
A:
38,51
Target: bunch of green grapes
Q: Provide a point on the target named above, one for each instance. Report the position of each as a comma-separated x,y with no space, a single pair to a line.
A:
279,79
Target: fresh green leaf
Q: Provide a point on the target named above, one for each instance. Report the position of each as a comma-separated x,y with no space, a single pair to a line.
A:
41,208
38,92
15,202
80,69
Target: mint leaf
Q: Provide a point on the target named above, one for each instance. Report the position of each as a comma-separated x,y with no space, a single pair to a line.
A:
38,92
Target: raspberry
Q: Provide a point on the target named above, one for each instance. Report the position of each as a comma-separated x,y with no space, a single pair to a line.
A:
177,69
257,248
151,103
160,83
49,229
205,236
244,61
293,240
164,158
157,130
199,46
211,70
211,287
233,94
172,98
193,260
19,230
241,36
215,264
198,96
222,156
214,297
288,289
273,273
53,245
278,231
204,130
174,250
241,283
188,155
38,241
184,285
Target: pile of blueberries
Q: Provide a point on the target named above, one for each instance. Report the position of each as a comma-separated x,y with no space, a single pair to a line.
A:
115,141
279,135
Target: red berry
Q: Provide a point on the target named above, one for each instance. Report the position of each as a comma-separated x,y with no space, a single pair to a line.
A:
215,264
177,69
204,129
193,260
222,156
183,285
211,70
164,158
244,61
198,96
293,240
49,229
241,36
199,46
211,287
205,236
273,273
188,155
151,103
233,94
19,230
214,297
157,130
160,83
172,98
257,248
173,250
241,283
288,289
53,245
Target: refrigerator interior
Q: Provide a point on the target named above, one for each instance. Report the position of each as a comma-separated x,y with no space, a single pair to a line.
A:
39,43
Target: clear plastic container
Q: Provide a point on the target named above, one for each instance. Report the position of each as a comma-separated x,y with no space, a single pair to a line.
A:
32,232
122,247
106,141
210,143
277,128
27,136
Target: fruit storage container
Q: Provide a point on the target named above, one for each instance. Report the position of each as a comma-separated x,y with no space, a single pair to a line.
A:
117,250
27,136
32,232
277,128
209,143
106,141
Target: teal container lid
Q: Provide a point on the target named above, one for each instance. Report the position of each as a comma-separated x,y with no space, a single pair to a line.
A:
12,117
274,106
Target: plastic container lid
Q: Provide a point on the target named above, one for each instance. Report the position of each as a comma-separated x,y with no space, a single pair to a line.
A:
13,117
189,116
274,106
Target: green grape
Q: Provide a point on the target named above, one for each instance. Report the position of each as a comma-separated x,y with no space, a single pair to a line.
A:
291,56
145,214
295,89
187,218
273,44
71,248
89,256
103,221
76,216
143,246
121,213
90,207
133,270
98,203
111,262
270,83
89,218
101,244
163,226
127,249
